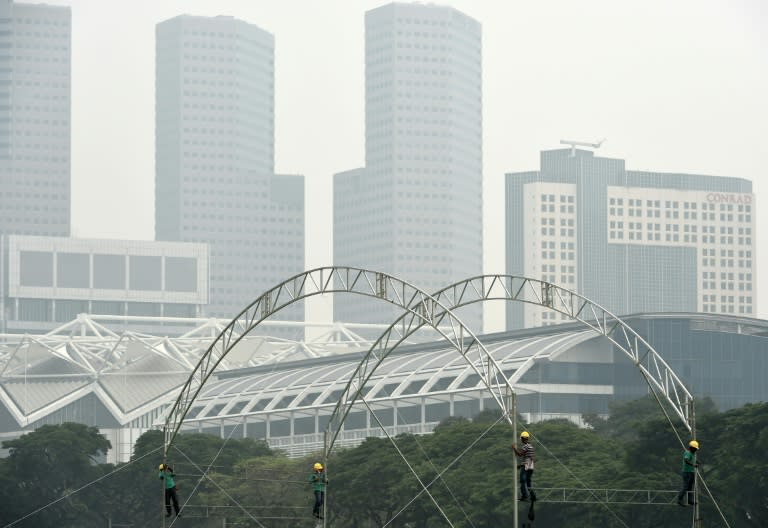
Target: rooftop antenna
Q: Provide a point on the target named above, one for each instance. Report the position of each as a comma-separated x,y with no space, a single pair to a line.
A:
575,144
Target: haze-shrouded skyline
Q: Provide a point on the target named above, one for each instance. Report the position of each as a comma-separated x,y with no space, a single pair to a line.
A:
673,87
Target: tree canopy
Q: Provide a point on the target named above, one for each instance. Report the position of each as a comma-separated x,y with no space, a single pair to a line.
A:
468,467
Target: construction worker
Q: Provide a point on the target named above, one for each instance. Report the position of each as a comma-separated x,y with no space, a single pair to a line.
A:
167,475
526,456
318,481
689,473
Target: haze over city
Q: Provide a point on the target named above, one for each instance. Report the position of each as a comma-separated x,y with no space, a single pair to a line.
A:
675,87
292,233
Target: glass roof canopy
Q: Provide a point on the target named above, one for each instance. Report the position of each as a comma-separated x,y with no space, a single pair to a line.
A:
125,381
433,371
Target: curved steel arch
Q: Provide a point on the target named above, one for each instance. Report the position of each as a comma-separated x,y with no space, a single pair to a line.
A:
659,376
432,311
309,283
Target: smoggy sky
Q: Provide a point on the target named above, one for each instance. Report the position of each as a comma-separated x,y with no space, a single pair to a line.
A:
673,86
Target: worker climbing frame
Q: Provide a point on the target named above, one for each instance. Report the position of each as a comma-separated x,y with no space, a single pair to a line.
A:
657,374
417,304
435,310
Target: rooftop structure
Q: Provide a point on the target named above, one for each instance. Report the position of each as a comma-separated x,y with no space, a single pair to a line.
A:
283,390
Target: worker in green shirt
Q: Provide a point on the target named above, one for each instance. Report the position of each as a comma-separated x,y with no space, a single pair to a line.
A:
689,473
318,481
166,475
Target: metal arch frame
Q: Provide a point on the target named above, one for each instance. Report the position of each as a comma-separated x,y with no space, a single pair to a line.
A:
309,283
427,309
432,311
659,376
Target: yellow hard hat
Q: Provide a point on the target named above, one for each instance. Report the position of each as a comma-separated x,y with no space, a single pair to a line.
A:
318,465
162,467
694,444
524,434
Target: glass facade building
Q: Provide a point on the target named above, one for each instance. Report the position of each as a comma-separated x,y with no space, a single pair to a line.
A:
724,358
415,209
215,180
631,241
35,89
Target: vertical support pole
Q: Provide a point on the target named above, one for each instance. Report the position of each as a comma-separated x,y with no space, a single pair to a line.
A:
696,506
512,410
325,472
162,506
162,491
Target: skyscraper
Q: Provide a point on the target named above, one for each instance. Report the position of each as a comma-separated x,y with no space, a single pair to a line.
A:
631,241
415,209
35,84
215,178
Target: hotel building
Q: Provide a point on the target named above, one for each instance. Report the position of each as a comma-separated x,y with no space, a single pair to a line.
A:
631,241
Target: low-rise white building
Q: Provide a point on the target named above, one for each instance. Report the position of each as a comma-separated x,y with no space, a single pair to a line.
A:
48,281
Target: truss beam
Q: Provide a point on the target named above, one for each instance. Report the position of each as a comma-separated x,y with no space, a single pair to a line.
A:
606,496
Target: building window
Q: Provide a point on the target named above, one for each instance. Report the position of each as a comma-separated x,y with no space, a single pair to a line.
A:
73,270
145,273
36,268
143,309
109,272
181,274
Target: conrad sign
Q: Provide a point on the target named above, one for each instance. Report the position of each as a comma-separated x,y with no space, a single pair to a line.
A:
729,198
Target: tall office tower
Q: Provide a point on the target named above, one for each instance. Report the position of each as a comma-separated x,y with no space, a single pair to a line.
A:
415,209
35,127
631,241
214,156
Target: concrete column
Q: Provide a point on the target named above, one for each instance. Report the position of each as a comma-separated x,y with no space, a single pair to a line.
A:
394,417
423,414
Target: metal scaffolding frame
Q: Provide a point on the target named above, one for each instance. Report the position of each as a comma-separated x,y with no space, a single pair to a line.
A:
421,309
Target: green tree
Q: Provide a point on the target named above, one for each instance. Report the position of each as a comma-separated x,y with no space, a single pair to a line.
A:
733,464
468,466
271,489
45,467
366,483
134,494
